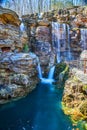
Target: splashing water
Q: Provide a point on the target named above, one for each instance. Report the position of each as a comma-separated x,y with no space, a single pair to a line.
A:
51,73
39,71
22,27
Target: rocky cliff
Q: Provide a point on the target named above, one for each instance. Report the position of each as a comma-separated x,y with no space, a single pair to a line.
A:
42,35
18,69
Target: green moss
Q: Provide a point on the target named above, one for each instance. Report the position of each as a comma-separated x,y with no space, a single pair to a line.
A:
84,87
83,125
75,79
59,68
25,48
74,113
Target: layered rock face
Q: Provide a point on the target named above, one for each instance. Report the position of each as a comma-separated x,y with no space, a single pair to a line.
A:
39,32
18,73
42,46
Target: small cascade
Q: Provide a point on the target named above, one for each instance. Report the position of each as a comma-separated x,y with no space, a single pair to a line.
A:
39,71
69,48
84,38
51,73
22,27
50,79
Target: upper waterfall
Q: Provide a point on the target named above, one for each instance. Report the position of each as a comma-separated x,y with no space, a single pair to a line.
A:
61,41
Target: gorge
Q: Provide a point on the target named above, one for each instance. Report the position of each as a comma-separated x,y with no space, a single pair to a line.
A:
43,65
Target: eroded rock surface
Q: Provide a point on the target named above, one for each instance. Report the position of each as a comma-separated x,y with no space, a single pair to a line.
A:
18,70
75,96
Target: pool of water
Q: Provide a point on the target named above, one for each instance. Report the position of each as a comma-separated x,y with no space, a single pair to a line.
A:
40,110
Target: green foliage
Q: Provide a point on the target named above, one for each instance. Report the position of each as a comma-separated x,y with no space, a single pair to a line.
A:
61,68
26,48
58,69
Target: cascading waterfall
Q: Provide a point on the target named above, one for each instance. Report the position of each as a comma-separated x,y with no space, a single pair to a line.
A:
22,27
39,71
50,76
69,48
84,38
51,73
61,41
56,38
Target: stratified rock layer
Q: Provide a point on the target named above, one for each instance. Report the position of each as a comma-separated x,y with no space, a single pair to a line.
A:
18,70
18,74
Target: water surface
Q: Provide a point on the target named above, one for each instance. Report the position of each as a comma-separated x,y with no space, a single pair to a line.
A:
40,110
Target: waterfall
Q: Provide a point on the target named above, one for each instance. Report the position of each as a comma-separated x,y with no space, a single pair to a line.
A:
59,37
22,27
69,48
56,38
50,79
84,38
39,71
51,73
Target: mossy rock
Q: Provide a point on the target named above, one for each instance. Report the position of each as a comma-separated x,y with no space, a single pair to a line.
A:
58,69
84,88
83,108
26,48
62,69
